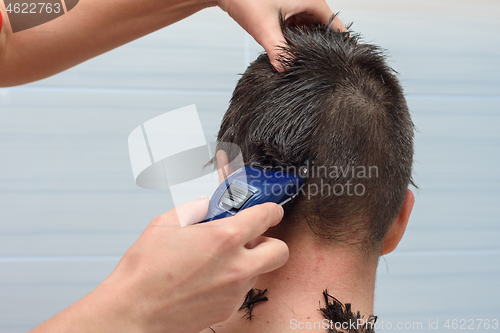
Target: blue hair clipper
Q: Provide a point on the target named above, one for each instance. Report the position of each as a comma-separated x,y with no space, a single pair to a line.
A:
250,186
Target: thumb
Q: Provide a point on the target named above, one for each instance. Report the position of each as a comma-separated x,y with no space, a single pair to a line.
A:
192,212
275,53
269,35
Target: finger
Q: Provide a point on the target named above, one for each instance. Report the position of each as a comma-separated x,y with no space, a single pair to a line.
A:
269,35
185,214
192,212
268,256
254,221
260,20
338,25
254,242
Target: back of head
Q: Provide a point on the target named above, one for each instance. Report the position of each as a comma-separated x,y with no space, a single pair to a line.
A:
337,101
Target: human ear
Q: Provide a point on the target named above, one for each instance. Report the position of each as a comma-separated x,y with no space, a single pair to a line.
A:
398,227
222,165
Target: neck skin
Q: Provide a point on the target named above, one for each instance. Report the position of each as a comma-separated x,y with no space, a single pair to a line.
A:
295,290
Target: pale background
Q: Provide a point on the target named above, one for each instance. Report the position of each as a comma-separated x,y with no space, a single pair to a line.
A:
69,207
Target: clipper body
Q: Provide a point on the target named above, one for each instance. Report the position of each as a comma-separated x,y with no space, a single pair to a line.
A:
250,186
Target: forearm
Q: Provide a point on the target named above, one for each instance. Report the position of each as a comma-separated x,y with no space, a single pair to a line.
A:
93,27
105,309
90,314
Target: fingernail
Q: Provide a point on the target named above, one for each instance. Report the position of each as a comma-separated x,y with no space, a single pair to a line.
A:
203,197
281,211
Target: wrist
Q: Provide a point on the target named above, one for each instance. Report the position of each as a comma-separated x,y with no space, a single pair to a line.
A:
111,308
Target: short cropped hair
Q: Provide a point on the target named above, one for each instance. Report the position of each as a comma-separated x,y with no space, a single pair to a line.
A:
336,102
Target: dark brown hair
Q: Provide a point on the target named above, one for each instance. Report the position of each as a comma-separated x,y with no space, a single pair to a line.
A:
337,101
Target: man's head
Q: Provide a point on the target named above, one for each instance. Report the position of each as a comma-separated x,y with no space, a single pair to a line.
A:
339,103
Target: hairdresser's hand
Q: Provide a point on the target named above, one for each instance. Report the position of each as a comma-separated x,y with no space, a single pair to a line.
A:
183,279
260,19
180,279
